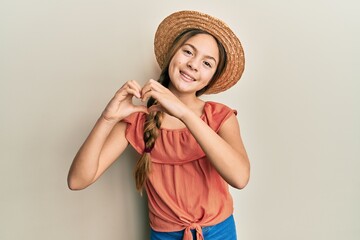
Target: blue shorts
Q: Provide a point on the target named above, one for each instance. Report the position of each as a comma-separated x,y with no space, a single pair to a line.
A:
222,231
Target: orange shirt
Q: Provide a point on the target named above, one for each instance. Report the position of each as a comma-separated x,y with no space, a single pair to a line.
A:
184,190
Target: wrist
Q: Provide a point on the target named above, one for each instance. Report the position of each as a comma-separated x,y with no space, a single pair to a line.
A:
108,121
187,116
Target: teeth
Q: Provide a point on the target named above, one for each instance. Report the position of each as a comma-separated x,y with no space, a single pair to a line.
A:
187,76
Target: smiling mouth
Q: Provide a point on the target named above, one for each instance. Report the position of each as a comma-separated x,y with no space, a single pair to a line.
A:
187,77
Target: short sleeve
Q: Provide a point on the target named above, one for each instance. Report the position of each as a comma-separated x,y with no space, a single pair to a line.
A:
216,114
135,130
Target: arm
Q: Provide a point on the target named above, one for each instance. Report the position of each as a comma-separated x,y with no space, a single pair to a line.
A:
102,147
224,150
106,141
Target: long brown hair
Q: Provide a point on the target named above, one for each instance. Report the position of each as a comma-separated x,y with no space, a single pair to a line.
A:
153,120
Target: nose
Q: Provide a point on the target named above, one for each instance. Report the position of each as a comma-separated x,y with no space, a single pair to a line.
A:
193,64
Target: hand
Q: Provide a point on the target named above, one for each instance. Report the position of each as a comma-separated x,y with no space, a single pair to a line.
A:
166,100
121,105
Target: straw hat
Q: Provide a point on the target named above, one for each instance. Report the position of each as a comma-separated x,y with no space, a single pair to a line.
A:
178,22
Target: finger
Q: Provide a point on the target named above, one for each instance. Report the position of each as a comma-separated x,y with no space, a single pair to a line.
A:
124,92
135,87
155,85
151,93
141,108
133,92
146,91
152,89
149,85
146,95
146,88
156,108
134,84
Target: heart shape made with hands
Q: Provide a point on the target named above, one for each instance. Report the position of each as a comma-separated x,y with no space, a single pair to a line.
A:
165,100
141,98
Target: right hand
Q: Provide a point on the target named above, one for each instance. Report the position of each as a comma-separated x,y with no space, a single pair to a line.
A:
121,105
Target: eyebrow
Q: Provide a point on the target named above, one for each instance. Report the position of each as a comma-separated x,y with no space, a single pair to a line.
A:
206,56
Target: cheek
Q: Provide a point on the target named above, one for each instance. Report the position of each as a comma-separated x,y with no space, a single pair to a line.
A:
171,65
178,59
172,69
174,64
208,76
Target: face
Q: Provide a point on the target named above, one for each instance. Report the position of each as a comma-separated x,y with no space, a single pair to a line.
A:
194,64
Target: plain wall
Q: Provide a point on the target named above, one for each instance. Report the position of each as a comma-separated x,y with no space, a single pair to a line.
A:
298,107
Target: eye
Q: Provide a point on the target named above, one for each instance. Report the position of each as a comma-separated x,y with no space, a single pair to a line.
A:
187,52
207,64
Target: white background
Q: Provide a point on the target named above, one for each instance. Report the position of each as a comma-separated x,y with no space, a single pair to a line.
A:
298,107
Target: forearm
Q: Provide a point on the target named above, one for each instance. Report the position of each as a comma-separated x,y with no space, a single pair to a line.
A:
86,162
230,161
107,140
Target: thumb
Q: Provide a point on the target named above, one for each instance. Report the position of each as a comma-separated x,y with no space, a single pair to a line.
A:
155,108
141,108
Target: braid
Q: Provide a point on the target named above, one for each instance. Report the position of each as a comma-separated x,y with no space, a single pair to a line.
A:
151,132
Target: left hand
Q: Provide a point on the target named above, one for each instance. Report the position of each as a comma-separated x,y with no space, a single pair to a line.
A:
167,101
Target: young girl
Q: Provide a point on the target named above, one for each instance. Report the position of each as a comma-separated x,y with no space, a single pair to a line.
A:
191,150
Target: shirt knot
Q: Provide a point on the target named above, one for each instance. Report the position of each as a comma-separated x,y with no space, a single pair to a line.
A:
194,226
188,234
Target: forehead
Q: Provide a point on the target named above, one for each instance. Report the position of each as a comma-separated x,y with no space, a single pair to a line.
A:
204,44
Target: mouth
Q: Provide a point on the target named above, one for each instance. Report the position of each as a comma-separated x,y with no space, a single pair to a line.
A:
187,77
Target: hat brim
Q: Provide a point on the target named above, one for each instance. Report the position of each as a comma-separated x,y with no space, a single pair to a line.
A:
178,22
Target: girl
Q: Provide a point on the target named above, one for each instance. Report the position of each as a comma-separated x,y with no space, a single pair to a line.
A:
191,150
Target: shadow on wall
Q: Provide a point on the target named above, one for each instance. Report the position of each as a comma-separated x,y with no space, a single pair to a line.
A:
110,208
133,210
